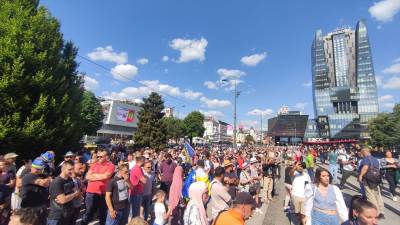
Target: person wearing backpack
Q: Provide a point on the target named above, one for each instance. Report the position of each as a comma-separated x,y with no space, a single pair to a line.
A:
370,177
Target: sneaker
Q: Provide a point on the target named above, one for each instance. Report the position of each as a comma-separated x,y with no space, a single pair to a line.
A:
395,199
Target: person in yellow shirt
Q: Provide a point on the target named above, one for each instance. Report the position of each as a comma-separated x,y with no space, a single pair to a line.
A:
242,208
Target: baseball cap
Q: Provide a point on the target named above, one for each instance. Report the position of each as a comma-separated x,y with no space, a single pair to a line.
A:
253,160
10,155
244,198
47,156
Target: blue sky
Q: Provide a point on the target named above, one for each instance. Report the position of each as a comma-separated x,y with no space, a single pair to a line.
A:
184,47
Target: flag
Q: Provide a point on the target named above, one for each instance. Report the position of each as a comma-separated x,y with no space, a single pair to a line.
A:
189,149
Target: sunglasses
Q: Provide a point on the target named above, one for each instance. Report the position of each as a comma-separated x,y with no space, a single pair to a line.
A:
101,156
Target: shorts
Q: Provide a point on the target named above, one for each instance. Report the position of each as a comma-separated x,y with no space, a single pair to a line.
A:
298,204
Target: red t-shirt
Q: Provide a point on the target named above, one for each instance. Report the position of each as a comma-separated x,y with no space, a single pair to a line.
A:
136,174
100,186
240,161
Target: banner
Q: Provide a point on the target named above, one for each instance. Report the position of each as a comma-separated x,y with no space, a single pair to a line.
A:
125,114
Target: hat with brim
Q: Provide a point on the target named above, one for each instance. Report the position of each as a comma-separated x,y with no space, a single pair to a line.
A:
245,165
253,160
10,155
227,163
69,154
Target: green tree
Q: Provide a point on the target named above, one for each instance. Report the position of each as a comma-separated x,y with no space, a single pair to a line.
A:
385,129
151,129
194,125
249,139
40,90
174,128
91,113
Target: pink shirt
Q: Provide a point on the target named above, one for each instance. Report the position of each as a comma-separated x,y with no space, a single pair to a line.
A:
136,174
100,186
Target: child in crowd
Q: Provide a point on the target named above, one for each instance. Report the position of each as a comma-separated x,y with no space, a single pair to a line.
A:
159,209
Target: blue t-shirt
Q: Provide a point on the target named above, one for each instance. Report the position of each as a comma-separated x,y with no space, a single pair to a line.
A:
369,161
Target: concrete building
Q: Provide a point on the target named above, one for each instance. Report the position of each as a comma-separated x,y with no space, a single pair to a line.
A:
216,131
169,112
343,80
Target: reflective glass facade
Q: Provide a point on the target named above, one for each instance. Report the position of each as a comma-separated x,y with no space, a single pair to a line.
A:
344,86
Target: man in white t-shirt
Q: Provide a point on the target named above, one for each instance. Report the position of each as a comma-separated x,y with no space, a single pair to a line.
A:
349,166
301,188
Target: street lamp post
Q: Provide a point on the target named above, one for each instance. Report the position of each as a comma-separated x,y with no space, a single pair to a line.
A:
236,95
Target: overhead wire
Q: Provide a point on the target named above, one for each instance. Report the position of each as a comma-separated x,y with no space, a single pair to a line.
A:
135,81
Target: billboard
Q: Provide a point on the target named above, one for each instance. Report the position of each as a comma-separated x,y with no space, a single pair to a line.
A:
122,114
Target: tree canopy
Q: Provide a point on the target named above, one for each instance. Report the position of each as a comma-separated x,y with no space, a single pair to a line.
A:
151,128
194,125
175,128
41,90
385,129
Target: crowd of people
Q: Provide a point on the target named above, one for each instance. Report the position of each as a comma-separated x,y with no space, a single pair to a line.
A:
207,185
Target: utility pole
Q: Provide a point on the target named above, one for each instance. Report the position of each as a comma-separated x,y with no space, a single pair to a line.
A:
236,95
261,130
234,117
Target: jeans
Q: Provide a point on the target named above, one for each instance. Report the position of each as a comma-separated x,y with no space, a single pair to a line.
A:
333,169
120,219
136,202
93,202
146,203
320,218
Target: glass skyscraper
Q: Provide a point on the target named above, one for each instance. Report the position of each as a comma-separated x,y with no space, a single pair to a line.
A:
343,80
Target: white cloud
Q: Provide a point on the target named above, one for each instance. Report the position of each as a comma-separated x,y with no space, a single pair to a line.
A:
385,98
90,83
385,10
124,72
253,60
190,49
258,112
392,83
393,69
192,95
143,61
301,105
230,74
107,54
156,85
307,84
386,101
211,85
397,60
212,113
215,103
230,85
130,93
165,58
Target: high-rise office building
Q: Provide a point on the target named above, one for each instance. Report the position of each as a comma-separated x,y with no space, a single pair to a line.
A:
343,81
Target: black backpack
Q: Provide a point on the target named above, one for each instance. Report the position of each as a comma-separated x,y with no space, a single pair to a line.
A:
373,176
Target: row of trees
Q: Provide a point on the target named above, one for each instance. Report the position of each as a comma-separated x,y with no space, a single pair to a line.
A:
154,130
385,129
43,102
